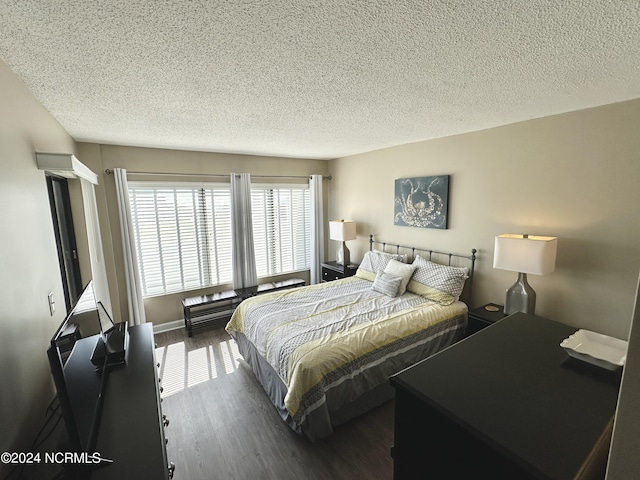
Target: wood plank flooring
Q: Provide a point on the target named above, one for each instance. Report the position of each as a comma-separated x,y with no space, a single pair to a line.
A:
224,426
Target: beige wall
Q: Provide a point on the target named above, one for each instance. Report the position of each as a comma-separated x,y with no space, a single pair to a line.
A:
574,176
101,157
28,262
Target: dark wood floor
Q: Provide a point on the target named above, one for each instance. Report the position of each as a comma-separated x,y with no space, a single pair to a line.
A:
224,426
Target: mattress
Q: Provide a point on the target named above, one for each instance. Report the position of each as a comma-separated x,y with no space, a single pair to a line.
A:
321,348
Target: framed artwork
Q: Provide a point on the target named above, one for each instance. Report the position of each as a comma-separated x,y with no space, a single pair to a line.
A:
422,202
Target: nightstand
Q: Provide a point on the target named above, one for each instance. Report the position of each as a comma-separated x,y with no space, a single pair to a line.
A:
334,271
484,316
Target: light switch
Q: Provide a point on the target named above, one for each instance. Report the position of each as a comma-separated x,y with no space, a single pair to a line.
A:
52,303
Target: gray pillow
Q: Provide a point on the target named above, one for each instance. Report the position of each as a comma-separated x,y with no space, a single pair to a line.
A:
441,283
374,262
386,283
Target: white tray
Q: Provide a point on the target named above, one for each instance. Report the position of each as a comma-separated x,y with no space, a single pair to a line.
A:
601,350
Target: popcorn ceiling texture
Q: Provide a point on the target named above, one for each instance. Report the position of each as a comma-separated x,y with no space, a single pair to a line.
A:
317,78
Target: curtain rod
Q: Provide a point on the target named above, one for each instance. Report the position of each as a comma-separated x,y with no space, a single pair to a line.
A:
109,172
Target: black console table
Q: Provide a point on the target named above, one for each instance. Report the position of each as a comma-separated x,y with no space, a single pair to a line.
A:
132,425
506,403
217,308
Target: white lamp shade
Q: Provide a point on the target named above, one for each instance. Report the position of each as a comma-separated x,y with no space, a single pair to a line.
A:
342,230
525,254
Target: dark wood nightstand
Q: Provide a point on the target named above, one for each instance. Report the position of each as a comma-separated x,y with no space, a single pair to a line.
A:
484,316
334,271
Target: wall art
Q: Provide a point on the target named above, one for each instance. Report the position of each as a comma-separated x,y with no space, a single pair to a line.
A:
422,202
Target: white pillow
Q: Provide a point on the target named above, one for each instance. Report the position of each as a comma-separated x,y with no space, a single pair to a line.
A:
374,262
386,283
401,270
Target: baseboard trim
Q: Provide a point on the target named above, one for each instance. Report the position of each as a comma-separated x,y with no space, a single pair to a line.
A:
168,326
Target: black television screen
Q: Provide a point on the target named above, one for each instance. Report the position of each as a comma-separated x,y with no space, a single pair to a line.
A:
79,384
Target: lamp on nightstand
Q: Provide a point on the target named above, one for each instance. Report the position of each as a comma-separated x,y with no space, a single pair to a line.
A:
342,231
524,254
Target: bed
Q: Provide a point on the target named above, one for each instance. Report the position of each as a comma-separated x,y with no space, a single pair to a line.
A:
323,353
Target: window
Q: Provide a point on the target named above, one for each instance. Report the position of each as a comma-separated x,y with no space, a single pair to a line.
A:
183,233
281,228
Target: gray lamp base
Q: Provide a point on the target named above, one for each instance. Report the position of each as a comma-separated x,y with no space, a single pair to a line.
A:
520,297
343,256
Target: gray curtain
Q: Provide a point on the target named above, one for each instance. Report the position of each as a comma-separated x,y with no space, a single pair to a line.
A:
131,272
243,253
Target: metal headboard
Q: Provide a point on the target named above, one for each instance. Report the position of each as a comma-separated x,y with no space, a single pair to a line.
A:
449,256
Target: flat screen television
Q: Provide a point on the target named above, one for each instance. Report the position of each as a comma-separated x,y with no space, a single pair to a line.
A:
80,384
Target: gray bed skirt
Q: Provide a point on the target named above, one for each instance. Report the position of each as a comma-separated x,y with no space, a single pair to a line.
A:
319,423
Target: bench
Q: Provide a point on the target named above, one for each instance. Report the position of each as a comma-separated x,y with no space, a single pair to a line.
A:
216,308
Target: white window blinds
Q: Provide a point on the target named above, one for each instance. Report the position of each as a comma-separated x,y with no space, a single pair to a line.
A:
281,228
182,235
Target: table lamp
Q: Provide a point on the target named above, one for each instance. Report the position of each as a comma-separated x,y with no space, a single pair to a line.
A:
524,254
342,231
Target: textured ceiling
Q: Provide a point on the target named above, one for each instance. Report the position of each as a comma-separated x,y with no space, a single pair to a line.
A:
317,78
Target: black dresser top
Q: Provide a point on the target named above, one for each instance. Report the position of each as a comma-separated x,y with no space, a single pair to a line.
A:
514,387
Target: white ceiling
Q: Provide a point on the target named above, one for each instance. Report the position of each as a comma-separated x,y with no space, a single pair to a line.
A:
315,78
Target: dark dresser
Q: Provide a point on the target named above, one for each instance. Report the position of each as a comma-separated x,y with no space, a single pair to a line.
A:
505,403
132,427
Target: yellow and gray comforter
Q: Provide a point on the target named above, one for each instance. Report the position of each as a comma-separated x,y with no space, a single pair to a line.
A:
332,342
